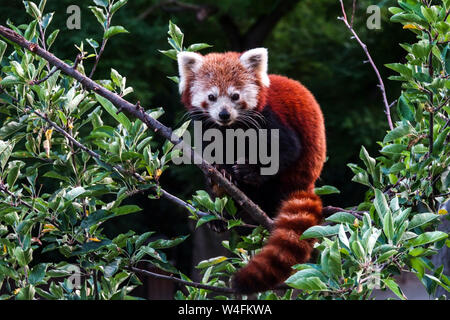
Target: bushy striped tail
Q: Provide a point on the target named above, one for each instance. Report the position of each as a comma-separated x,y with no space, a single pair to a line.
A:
272,265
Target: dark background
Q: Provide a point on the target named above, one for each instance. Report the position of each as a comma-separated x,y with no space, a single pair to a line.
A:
305,41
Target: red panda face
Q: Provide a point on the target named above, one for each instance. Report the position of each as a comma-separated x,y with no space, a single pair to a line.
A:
223,85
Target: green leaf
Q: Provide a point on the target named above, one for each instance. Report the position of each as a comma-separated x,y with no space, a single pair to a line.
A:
116,6
439,143
394,287
172,53
405,109
151,252
94,44
55,175
12,176
400,68
10,81
341,217
357,249
142,238
116,77
111,268
307,279
164,244
421,219
74,193
2,49
381,204
99,14
429,14
334,260
112,110
6,149
210,262
388,225
368,160
385,256
126,210
393,149
206,219
37,274
372,240
326,190
397,133
90,247
26,293
234,223
176,35
428,237
343,236
23,257
33,9
112,31
52,37
198,46
320,232
102,3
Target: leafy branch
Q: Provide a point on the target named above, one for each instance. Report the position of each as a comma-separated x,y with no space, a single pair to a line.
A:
249,206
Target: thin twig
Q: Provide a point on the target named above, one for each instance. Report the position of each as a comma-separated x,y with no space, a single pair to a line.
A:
387,110
102,47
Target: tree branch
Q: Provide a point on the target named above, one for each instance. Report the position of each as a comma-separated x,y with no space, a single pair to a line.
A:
242,200
194,284
259,31
387,110
184,282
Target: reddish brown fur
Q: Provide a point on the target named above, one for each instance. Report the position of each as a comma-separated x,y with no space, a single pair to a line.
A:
222,70
297,108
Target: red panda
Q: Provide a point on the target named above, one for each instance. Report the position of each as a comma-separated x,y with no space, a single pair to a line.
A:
233,90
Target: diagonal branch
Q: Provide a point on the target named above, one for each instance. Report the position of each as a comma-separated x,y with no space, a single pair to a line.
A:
387,106
181,281
242,200
195,284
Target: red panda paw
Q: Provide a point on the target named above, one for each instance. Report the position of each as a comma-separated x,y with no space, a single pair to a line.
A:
247,174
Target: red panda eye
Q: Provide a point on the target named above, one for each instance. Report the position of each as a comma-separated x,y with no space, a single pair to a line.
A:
235,97
212,97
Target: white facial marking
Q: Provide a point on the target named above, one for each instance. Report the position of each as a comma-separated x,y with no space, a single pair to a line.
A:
222,103
188,62
249,94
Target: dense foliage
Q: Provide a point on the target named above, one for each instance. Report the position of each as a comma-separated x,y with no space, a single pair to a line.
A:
69,161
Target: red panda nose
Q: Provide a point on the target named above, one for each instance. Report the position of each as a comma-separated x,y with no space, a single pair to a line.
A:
224,115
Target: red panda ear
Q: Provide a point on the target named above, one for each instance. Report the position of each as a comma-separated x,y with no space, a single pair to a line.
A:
256,60
188,64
